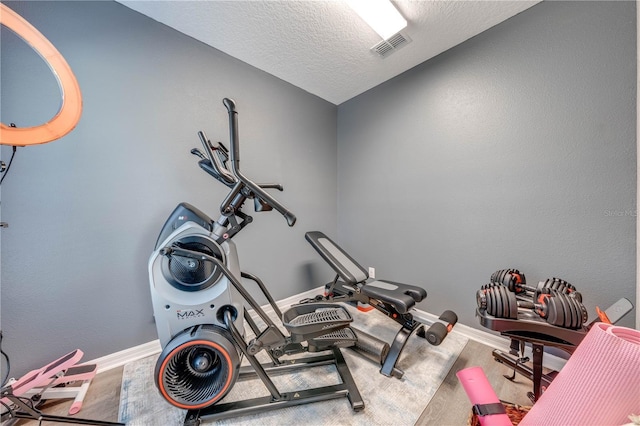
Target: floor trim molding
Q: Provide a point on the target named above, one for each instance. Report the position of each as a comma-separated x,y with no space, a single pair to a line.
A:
119,359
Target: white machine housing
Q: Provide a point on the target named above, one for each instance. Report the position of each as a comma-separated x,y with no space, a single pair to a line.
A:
175,309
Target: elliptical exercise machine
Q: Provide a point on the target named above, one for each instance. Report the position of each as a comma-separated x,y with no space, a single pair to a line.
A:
198,302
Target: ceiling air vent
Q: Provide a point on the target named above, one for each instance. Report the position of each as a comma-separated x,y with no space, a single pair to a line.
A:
390,45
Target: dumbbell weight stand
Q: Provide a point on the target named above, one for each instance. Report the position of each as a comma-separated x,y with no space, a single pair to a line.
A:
534,373
532,329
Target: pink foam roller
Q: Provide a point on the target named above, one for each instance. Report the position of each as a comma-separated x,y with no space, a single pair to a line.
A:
599,385
480,392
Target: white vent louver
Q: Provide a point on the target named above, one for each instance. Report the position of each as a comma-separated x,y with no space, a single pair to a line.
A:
390,45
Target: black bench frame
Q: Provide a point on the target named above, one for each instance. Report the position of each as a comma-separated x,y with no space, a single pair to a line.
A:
350,285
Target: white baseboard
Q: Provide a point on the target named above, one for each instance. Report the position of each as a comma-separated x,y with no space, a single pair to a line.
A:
118,359
121,358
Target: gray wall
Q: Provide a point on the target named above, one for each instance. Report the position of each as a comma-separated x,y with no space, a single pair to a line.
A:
514,149
85,210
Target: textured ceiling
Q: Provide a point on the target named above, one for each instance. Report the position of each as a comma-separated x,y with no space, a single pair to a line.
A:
323,47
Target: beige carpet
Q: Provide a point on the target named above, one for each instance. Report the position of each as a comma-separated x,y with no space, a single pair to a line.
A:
388,401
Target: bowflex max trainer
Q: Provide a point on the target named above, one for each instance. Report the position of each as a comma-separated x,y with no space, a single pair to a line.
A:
198,302
549,314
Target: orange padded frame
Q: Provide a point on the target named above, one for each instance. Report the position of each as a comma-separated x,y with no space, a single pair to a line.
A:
69,114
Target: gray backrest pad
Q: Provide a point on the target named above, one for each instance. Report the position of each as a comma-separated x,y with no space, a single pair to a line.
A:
345,266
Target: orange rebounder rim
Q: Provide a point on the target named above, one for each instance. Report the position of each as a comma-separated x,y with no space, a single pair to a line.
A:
69,114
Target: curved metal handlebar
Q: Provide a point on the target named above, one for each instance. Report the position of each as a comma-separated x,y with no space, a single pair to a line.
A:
235,165
224,173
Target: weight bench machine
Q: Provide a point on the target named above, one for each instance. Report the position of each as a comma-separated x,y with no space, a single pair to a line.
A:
499,309
395,300
19,396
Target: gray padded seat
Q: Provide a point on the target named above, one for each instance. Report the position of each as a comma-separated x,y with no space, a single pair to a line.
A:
402,296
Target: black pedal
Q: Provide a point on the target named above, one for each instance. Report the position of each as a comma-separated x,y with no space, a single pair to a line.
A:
312,320
342,338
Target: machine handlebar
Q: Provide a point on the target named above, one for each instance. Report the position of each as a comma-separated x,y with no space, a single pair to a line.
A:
234,152
213,153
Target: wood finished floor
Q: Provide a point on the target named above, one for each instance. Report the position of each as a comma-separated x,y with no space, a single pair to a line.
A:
449,406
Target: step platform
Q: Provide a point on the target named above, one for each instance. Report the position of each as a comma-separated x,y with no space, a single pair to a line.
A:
313,320
59,379
343,338
73,384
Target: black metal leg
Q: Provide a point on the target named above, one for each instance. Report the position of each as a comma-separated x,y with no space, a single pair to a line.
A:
240,343
389,366
538,353
347,388
518,367
534,374
355,399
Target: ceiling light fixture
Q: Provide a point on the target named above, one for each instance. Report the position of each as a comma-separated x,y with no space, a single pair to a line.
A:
381,15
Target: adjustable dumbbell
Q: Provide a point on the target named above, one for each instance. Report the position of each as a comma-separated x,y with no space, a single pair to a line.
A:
497,300
559,285
556,308
516,282
559,309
